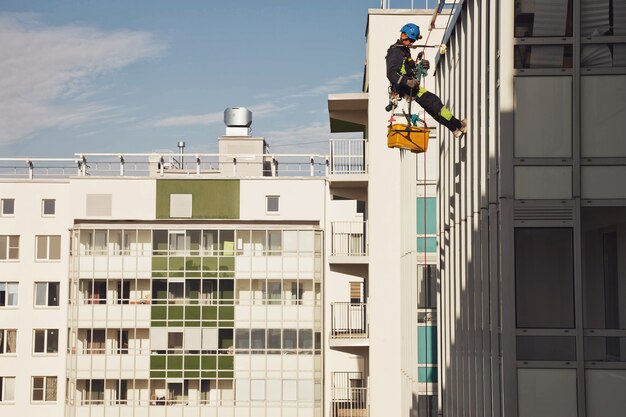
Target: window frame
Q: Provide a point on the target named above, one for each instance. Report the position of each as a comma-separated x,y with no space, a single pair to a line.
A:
44,389
4,343
2,202
3,388
9,248
267,203
6,295
45,342
48,246
43,207
47,283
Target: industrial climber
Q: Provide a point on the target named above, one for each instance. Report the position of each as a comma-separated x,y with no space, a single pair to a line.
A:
404,75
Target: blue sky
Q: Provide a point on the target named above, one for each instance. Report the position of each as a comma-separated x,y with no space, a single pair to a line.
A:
120,76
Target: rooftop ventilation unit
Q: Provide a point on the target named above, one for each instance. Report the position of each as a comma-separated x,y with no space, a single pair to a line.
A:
238,121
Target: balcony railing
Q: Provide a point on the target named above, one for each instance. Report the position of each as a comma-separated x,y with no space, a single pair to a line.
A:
349,395
348,320
347,156
349,238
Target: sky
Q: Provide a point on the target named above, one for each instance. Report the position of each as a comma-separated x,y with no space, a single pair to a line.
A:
88,76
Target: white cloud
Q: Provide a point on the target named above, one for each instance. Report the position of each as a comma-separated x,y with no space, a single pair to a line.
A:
332,86
258,111
47,72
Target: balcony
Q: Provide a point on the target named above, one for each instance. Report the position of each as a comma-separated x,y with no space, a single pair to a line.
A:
349,326
349,243
348,164
349,395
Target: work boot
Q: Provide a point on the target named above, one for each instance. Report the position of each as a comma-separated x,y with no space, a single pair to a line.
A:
462,130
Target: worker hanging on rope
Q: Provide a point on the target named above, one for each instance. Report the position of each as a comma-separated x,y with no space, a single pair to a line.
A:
404,75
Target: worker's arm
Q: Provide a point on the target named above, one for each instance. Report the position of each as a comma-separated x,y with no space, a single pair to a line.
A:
394,62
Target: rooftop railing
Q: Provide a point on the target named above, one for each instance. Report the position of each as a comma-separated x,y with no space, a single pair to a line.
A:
160,164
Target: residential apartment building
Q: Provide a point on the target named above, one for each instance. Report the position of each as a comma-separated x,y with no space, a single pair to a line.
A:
532,209
400,355
165,284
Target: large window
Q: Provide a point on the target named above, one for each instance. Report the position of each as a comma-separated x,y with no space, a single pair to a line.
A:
44,389
8,294
48,248
46,294
7,389
8,341
46,341
604,270
9,247
544,278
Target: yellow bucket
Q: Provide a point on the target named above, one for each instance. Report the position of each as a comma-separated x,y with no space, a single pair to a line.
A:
414,139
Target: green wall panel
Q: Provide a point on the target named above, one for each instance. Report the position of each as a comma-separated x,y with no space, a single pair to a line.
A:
428,244
212,199
428,374
208,362
192,362
225,362
157,362
429,226
174,362
427,345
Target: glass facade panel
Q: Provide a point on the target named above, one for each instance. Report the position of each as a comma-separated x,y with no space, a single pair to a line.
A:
542,18
546,348
605,349
544,278
543,56
604,271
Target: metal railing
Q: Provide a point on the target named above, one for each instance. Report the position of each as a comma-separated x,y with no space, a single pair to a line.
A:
347,156
348,320
349,395
160,164
349,238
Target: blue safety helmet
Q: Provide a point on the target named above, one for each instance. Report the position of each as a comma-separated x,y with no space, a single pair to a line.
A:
412,31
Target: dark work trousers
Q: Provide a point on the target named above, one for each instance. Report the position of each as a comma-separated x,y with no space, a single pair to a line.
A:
433,106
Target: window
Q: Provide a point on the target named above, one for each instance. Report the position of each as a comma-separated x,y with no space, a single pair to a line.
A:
603,269
46,341
272,203
46,294
48,207
48,248
95,341
9,247
544,278
426,287
94,391
356,292
44,388
175,342
7,389
7,206
8,294
427,405
8,341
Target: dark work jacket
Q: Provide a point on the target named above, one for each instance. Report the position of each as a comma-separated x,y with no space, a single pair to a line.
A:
398,56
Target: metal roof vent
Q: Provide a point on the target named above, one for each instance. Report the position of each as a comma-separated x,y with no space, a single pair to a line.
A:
238,121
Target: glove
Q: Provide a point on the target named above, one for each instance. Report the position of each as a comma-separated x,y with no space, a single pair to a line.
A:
425,63
413,84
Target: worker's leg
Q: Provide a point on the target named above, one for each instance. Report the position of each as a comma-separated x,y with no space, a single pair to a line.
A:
433,106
